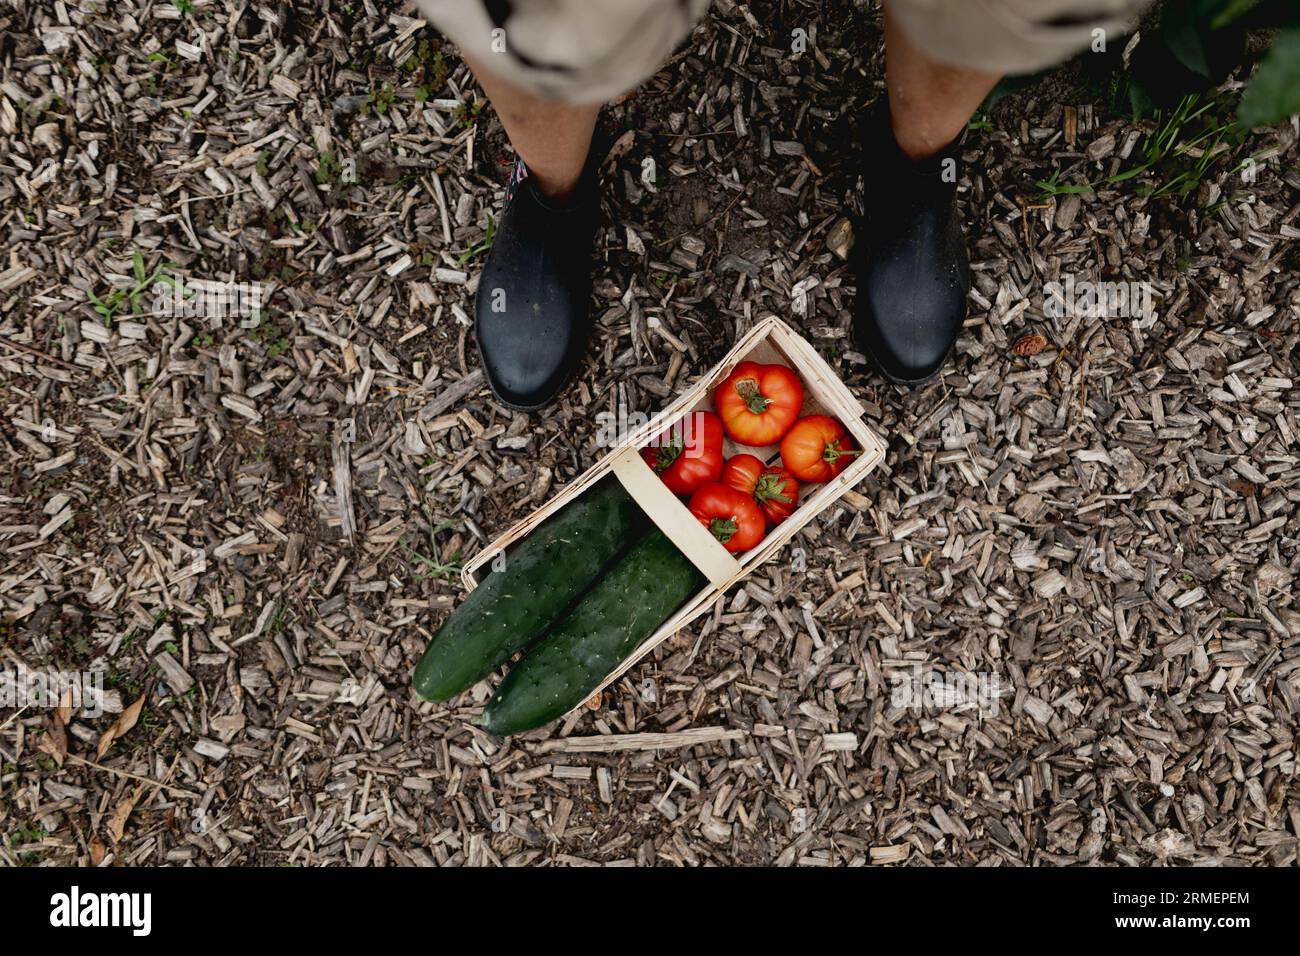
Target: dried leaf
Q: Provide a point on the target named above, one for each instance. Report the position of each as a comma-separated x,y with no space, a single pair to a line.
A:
63,713
116,824
122,726
1030,344
54,741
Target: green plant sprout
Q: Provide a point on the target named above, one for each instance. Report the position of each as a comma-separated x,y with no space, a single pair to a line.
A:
111,307
473,251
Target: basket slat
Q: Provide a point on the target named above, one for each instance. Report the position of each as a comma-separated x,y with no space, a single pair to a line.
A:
673,519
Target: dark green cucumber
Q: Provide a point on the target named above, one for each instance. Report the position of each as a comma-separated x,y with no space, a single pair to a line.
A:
624,608
543,575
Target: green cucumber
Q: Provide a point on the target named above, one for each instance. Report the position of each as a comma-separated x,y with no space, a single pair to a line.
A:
543,575
625,607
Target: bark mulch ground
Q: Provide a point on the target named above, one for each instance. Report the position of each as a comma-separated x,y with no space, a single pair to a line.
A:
251,529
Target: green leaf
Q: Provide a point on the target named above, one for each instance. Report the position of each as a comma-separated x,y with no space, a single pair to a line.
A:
1178,27
137,266
1229,11
1274,93
1140,100
1128,174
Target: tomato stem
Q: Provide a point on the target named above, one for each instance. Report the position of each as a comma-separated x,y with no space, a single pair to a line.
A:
724,529
770,487
665,456
834,452
755,401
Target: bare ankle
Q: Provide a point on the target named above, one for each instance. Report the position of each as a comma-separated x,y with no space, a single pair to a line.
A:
555,188
920,144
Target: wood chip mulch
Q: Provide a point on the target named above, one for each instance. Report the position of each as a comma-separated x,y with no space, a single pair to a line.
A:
251,532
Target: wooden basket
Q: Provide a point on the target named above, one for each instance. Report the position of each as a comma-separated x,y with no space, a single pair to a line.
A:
770,341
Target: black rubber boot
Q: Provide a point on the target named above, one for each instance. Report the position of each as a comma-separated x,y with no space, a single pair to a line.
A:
913,271
531,313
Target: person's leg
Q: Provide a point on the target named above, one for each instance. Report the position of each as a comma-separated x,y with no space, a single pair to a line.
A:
914,272
531,309
929,103
546,67
942,57
552,137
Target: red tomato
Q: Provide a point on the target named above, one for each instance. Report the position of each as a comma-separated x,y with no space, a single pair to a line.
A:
817,448
730,515
689,454
758,403
775,489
